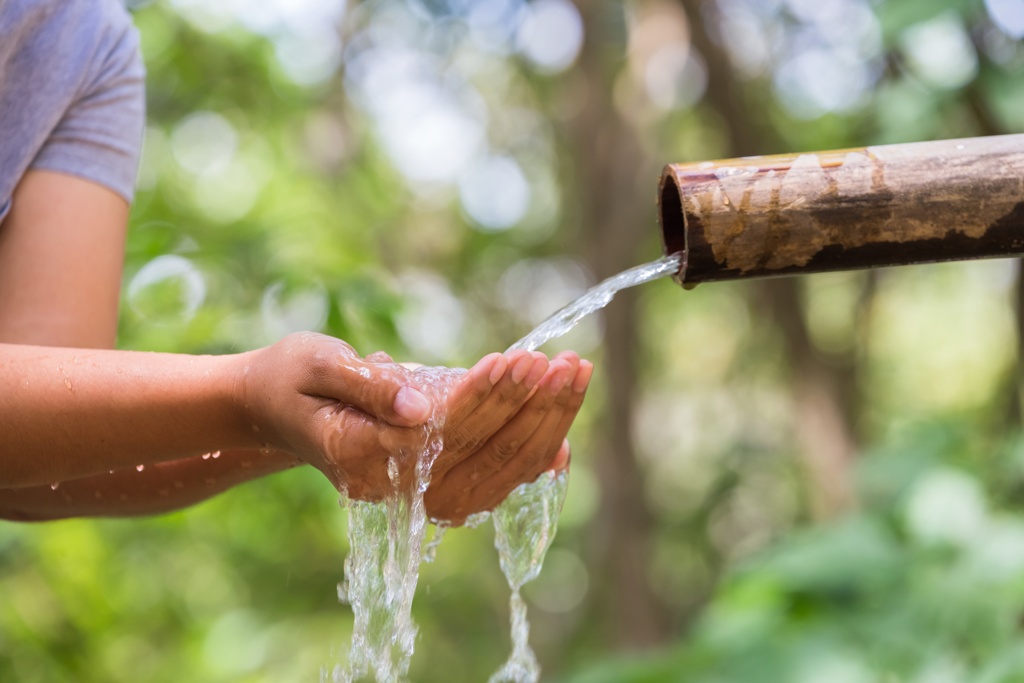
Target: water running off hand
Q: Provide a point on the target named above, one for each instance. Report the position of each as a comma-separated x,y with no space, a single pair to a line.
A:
385,549
386,539
525,523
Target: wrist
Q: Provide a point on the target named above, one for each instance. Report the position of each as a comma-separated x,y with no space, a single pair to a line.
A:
244,422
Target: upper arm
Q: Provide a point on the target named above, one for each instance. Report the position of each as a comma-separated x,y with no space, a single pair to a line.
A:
61,256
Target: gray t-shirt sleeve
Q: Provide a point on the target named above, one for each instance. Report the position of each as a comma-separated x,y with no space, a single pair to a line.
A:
100,135
72,94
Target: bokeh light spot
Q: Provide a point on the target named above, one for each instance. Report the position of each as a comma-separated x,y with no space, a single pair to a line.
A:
495,193
551,35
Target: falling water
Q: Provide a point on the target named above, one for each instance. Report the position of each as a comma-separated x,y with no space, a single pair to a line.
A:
386,542
526,521
596,298
524,526
387,539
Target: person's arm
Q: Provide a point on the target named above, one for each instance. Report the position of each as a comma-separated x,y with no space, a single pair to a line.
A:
508,416
61,254
158,488
74,414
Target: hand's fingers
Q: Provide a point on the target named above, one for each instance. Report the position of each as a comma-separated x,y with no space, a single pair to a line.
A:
572,357
580,384
476,385
477,412
570,403
510,438
379,357
533,458
453,496
508,373
382,390
562,457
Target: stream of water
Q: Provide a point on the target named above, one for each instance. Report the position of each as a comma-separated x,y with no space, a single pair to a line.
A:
385,550
387,539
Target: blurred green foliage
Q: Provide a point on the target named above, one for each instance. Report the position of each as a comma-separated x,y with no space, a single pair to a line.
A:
349,172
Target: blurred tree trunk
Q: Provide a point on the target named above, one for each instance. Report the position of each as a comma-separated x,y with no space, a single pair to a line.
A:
617,215
988,123
824,393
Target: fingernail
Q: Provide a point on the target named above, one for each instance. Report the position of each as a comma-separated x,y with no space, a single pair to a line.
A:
583,375
498,370
412,405
539,369
562,457
557,382
520,369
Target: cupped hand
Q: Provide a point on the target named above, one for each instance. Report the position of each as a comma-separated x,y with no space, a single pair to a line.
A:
506,423
294,394
508,436
505,419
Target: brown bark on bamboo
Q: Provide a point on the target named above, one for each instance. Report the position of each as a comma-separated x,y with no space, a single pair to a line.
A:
845,209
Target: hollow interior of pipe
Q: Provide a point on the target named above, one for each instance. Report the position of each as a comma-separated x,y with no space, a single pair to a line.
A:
673,224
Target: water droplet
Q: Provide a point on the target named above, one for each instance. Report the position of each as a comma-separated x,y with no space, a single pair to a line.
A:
67,383
206,456
215,455
476,519
54,485
430,549
140,467
266,450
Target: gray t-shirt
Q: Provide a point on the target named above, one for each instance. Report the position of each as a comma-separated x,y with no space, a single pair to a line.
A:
71,92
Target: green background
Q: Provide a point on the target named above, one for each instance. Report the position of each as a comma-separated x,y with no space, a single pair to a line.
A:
810,479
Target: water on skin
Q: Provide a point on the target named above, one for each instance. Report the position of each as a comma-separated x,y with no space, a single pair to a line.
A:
390,534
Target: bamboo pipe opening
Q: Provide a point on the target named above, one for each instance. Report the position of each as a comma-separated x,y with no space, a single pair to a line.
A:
673,222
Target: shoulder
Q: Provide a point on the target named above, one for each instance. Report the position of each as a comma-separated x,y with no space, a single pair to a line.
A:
71,87
43,31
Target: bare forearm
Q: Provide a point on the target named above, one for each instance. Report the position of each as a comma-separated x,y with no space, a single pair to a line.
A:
155,489
72,413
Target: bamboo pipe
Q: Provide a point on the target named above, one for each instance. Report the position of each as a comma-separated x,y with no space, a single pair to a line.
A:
846,209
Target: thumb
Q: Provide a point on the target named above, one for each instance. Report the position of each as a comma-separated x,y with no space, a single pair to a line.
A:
382,390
